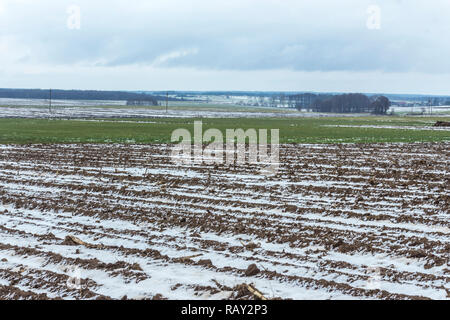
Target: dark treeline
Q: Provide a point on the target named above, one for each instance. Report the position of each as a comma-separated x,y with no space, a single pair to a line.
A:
343,103
79,95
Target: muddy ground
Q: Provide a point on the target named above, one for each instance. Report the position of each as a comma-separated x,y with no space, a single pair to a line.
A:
124,222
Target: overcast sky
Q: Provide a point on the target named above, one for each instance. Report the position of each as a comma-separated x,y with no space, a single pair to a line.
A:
391,46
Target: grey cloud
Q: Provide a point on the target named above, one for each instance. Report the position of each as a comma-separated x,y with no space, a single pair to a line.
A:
245,35
294,35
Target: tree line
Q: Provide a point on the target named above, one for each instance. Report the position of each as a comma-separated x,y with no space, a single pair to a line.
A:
342,103
79,95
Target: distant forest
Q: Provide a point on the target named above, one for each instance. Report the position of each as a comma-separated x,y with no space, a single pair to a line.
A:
81,95
336,103
342,103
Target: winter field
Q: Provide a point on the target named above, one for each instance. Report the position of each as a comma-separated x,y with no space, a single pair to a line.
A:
116,109
317,129
338,221
82,109
92,207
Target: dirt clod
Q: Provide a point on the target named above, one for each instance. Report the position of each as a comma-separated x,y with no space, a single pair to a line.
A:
159,296
252,270
205,262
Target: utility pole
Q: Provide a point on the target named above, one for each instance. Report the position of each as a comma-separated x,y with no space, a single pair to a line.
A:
50,102
167,101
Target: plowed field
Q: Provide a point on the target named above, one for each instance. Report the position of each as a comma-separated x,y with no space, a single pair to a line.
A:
123,221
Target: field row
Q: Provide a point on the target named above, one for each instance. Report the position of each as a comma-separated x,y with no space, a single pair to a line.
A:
115,221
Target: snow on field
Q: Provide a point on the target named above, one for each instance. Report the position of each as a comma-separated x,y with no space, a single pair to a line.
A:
117,112
336,222
420,109
80,109
391,127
